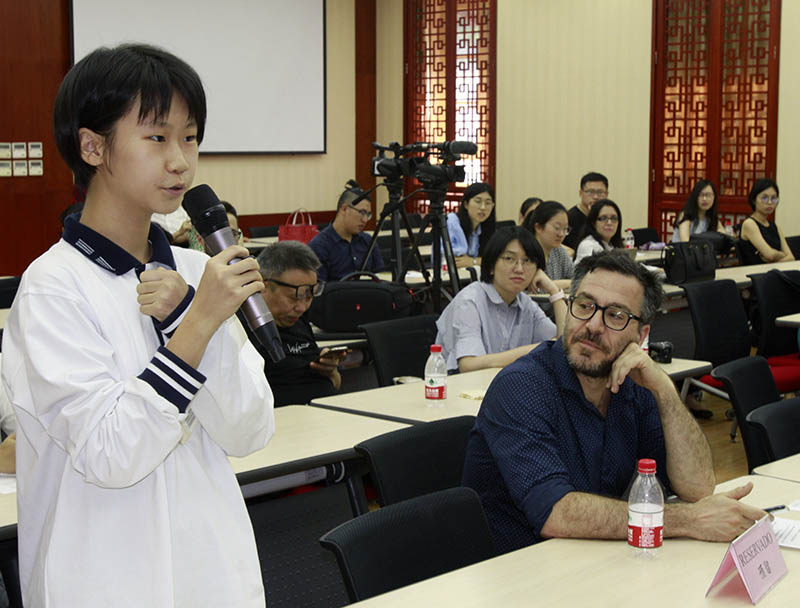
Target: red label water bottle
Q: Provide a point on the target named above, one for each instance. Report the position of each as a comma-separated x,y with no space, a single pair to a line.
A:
436,374
646,510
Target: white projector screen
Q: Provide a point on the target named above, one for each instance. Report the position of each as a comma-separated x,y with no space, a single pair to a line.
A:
262,62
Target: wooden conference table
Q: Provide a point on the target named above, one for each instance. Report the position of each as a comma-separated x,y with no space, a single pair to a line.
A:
786,468
4,312
305,438
789,320
407,403
739,274
567,572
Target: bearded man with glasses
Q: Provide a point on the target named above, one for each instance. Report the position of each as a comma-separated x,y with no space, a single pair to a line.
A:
289,270
560,431
341,247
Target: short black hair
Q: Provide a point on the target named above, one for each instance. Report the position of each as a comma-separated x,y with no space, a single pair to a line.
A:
758,187
593,176
487,226
352,191
591,219
619,262
103,87
277,258
498,243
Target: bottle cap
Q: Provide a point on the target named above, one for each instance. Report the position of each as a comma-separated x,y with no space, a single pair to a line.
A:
436,348
647,465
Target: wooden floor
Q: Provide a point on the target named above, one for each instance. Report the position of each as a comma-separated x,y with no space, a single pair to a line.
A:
729,458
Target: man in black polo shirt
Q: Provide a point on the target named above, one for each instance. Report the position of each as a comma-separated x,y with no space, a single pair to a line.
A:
289,269
341,247
594,186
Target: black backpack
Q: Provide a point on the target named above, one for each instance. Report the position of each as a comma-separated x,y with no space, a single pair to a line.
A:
353,301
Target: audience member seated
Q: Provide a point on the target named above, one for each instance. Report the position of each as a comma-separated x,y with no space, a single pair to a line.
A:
594,186
527,207
289,269
699,214
550,225
472,226
762,239
602,230
560,431
491,322
341,247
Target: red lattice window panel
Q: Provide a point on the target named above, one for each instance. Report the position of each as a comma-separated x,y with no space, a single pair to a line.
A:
450,82
715,102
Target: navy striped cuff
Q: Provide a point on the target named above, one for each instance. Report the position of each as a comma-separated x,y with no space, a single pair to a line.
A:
172,378
170,324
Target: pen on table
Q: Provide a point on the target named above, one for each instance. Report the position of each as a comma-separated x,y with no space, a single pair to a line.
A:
775,508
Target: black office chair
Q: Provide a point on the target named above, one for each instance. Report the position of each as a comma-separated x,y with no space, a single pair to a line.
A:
778,425
644,235
417,460
776,294
410,541
504,224
794,245
750,385
8,290
296,571
400,347
261,231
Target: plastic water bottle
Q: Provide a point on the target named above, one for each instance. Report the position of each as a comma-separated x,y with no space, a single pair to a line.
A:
436,374
729,228
646,511
628,239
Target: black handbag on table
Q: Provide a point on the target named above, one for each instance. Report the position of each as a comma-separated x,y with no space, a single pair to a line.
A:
687,262
346,304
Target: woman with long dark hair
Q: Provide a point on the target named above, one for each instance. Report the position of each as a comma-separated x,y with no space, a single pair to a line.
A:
699,214
762,239
602,230
472,226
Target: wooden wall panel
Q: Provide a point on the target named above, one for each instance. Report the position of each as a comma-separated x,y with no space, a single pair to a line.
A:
34,36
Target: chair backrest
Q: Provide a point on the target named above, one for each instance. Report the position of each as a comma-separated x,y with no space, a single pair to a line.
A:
400,347
8,290
719,319
779,426
794,245
410,541
419,459
775,296
260,231
504,224
644,235
749,384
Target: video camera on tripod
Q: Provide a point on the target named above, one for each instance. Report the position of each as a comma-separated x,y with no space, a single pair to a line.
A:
435,179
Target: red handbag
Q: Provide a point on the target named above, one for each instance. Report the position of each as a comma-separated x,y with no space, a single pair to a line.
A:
302,231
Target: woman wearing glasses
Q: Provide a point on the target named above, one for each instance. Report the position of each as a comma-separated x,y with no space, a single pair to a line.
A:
472,226
761,239
492,322
550,224
699,214
602,230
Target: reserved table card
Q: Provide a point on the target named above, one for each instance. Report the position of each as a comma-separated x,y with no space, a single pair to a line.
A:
757,559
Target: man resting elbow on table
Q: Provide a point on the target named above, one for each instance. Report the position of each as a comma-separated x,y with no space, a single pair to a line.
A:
492,322
559,433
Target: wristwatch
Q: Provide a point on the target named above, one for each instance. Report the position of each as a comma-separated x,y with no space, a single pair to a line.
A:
559,295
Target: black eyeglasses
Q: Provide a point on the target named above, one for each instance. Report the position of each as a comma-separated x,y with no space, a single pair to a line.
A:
367,215
302,292
237,233
614,317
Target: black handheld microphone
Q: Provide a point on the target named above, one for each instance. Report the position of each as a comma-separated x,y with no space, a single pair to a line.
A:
211,221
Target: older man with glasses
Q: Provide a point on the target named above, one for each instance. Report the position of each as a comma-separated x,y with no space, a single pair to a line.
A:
560,431
289,270
341,247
